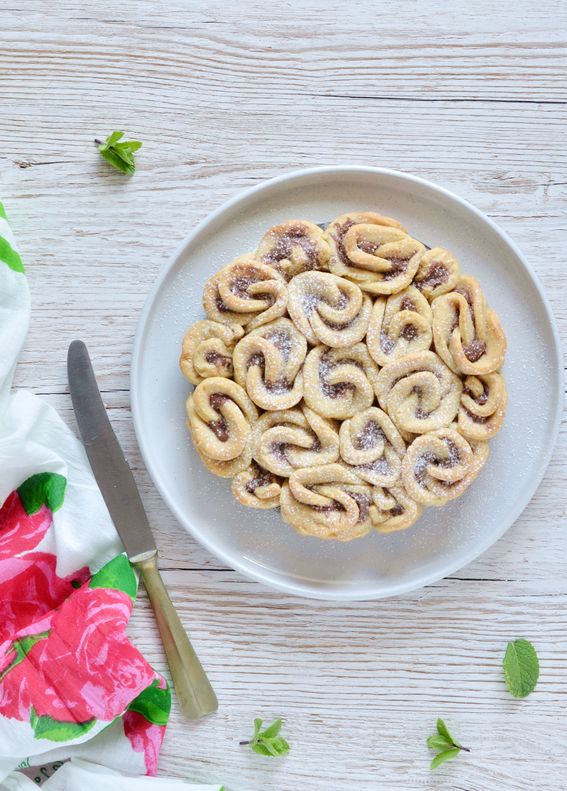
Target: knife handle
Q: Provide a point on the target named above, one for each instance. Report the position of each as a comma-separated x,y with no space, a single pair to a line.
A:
194,692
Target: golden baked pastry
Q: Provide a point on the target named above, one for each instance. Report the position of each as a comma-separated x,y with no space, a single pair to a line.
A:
268,363
246,293
399,325
327,502
207,350
219,415
293,247
467,333
373,251
350,398
483,406
440,465
437,273
393,509
328,309
338,383
419,392
257,488
294,438
372,445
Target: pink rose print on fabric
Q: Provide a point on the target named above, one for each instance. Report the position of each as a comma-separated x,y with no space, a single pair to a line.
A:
145,737
87,668
20,531
30,588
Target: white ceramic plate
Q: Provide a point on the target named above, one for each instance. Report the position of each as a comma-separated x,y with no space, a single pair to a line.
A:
259,543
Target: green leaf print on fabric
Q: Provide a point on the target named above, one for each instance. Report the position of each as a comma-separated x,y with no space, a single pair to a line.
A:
9,256
45,488
22,648
2,211
47,728
118,575
153,703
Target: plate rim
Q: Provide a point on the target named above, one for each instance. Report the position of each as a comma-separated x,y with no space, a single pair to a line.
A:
258,573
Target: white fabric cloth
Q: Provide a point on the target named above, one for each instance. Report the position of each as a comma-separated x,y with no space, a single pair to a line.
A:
34,439
77,775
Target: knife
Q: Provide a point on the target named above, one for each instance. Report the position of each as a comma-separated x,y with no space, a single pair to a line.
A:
116,482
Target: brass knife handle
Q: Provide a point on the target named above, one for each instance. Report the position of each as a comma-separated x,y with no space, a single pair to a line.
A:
195,695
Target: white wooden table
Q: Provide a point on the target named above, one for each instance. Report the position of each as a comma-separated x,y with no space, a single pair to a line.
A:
470,95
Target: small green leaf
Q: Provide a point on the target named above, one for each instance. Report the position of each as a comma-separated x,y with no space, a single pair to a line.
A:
44,488
521,668
154,703
439,743
120,154
260,748
443,730
117,574
2,211
45,727
272,730
447,755
268,742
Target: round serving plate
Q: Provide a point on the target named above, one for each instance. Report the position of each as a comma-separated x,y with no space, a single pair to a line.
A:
259,543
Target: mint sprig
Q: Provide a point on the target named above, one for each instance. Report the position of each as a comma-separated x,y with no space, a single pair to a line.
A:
268,741
119,154
521,668
444,743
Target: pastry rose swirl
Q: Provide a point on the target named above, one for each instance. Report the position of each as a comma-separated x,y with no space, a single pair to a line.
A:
338,383
257,488
207,350
219,414
372,445
328,309
286,441
437,273
373,251
483,406
440,465
393,509
399,325
419,393
245,292
268,362
350,377
293,247
327,502
466,332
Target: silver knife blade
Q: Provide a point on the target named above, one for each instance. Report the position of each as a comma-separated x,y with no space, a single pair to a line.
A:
106,457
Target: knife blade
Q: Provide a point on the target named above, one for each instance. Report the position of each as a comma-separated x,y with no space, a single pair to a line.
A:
116,482
111,470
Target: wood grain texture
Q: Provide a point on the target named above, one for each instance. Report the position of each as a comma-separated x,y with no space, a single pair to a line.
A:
470,95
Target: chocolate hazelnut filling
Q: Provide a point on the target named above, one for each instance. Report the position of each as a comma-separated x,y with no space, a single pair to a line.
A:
218,360
437,275
474,350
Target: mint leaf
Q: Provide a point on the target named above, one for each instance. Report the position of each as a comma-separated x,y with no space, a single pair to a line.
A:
443,741
521,668
44,488
118,575
268,742
119,154
447,755
443,730
439,743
